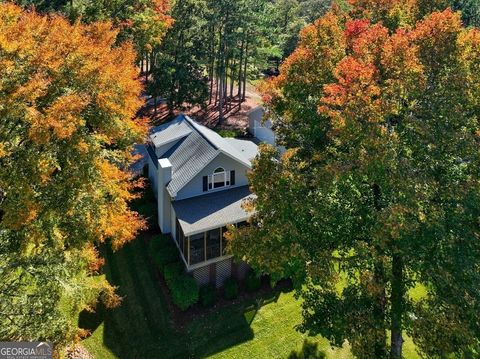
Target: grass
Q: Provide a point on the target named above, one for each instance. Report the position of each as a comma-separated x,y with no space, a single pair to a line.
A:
141,327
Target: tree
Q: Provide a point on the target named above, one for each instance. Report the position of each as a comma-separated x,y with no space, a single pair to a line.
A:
217,44
379,192
470,11
178,75
143,22
68,97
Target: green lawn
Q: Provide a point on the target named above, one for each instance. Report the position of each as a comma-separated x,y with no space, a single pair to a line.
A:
141,327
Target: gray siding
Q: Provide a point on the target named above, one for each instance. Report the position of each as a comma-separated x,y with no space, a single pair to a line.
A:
152,175
195,186
173,222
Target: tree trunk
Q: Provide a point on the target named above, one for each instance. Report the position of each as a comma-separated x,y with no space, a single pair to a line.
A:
232,77
245,71
380,350
240,64
212,72
146,68
380,300
152,60
398,292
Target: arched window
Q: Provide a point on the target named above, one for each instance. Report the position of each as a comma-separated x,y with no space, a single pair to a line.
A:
219,178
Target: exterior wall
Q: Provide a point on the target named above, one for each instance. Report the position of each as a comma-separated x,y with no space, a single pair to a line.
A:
264,133
152,175
173,218
202,275
216,273
195,186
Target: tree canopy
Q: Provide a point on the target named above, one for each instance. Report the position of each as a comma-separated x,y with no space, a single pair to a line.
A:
68,98
378,193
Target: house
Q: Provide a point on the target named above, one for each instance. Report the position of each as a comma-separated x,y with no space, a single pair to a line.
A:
262,129
200,181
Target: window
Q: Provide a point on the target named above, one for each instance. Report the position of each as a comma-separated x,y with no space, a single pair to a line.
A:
219,178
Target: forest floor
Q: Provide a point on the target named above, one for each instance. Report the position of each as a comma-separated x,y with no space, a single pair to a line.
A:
235,114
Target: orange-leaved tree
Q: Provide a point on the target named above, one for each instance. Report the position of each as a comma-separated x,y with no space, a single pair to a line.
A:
375,205
68,99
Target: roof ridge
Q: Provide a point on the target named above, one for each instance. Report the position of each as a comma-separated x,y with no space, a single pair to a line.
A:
194,125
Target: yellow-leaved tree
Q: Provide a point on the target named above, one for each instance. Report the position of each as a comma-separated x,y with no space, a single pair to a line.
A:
68,99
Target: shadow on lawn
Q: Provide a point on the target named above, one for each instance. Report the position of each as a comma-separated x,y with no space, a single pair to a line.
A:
142,326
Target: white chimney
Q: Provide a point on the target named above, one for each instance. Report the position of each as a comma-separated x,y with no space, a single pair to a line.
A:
164,175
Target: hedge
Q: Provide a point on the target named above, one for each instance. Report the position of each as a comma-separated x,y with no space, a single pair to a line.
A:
165,256
208,295
184,290
171,271
230,289
252,282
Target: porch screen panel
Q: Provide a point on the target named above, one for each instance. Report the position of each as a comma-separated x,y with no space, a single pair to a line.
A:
197,248
213,244
224,241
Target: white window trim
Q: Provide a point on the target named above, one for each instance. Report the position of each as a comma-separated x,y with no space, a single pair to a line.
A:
211,179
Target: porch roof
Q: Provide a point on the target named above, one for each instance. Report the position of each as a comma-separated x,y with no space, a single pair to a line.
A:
214,210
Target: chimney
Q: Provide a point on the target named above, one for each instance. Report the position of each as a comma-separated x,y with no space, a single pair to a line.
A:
164,176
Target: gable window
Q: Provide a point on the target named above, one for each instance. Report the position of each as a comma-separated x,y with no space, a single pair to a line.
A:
219,178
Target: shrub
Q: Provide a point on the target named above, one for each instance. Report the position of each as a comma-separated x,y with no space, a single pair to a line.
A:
230,289
171,271
184,291
165,256
252,282
228,133
208,295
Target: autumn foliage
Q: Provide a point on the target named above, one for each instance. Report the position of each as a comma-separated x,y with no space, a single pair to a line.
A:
378,193
68,99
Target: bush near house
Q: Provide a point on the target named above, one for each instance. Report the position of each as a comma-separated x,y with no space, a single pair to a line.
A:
208,295
172,271
165,256
230,289
184,290
252,282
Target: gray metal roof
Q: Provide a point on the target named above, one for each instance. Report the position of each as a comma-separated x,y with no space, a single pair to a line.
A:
188,159
219,142
193,147
170,132
214,210
247,148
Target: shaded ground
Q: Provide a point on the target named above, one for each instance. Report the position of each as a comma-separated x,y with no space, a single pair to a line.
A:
235,114
142,326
